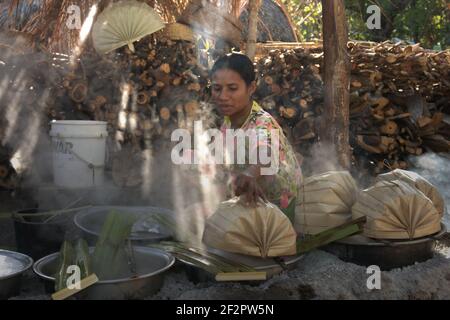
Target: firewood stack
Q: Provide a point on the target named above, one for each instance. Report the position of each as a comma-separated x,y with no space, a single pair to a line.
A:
290,87
143,95
399,95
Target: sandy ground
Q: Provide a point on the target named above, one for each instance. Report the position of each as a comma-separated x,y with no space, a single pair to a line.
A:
319,275
323,276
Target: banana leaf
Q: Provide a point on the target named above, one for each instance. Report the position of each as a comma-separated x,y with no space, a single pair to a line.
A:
110,258
66,259
212,257
200,258
82,258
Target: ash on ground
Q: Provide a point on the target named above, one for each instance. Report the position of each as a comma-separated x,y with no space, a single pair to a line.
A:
319,275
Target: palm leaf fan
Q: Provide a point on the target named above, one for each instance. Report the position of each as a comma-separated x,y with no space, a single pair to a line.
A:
263,231
124,23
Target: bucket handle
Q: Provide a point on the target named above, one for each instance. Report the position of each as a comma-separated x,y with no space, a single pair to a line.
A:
89,164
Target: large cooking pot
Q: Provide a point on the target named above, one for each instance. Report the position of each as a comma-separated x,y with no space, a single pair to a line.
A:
386,254
151,265
12,267
40,232
144,231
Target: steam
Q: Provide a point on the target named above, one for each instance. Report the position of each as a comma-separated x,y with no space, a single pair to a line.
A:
436,169
84,32
318,158
22,101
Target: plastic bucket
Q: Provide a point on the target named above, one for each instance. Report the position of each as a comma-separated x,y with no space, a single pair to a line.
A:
79,149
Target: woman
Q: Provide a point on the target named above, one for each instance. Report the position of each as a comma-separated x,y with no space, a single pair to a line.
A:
232,86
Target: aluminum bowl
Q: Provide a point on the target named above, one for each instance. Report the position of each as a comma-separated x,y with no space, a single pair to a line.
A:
91,220
151,265
12,267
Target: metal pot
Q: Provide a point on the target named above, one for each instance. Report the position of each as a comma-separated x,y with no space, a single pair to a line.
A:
151,264
386,254
12,267
91,221
37,238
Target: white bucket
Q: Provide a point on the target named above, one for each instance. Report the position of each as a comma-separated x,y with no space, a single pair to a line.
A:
79,149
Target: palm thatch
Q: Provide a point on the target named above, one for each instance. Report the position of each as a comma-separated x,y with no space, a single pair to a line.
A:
47,24
15,16
274,23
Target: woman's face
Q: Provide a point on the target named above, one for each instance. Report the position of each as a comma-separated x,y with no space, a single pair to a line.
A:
230,92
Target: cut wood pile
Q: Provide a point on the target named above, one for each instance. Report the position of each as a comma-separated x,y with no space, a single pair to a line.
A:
399,95
143,96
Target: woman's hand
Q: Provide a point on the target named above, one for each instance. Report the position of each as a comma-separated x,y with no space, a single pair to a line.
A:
247,187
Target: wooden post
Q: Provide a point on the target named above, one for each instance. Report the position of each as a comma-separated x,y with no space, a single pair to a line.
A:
335,125
253,9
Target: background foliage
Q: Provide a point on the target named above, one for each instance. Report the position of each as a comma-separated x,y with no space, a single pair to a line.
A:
424,21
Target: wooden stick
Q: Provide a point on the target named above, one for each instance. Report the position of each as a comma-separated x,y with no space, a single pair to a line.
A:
5,215
400,116
66,293
43,214
241,276
252,35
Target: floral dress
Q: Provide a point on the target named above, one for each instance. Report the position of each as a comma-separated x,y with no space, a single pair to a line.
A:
282,187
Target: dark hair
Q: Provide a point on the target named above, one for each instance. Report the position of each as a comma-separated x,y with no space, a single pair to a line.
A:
237,62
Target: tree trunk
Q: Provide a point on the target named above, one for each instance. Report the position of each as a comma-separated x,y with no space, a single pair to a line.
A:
253,8
335,125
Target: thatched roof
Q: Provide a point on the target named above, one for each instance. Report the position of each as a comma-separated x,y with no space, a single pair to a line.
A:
46,20
274,23
16,16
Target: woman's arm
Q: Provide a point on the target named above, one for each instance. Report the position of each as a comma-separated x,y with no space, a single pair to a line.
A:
246,185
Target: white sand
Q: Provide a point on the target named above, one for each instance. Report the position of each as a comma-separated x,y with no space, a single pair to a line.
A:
323,276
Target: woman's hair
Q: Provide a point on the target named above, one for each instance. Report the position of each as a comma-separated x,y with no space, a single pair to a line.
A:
237,62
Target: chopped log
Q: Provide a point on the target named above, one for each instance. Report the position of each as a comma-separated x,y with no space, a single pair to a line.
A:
436,143
380,103
164,113
194,87
78,92
423,121
165,67
143,98
390,128
365,146
414,151
288,112
191,108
